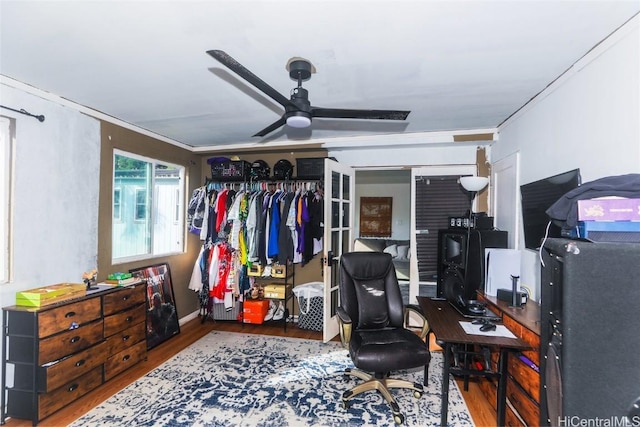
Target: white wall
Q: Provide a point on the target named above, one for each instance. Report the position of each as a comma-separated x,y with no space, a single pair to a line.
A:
56,184
587,119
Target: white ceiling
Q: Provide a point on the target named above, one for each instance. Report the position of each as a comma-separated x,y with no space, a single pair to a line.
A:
457,65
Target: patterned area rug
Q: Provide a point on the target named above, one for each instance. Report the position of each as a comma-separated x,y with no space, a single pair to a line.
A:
233,379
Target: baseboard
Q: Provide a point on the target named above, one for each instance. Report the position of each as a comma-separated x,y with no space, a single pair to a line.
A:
188,317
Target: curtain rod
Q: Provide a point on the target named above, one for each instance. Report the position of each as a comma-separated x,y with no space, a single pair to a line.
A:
25,112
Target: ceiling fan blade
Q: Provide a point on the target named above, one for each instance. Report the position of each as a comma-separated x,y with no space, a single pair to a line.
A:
256,81
343,113
273,126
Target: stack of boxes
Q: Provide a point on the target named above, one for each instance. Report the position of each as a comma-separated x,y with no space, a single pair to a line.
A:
254,310
609,219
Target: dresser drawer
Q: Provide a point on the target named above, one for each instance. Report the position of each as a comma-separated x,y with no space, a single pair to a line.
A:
73,366
123,299
72,390
124,359
511,419
124,339
70,342
526,377
20,402
68,317
124,319
527,336
526,408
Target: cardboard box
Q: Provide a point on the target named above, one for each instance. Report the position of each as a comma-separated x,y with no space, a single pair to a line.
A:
51,294
609,210
255,270
254,311
276,290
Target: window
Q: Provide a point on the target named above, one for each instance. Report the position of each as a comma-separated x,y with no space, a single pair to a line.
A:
141,205
148,207
117,211
7,129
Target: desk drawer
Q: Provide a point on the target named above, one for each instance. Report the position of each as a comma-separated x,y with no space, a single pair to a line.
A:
123,299
57,346
125,319
124,359
68,317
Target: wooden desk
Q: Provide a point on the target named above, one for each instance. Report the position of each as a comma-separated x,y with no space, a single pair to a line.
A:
444,322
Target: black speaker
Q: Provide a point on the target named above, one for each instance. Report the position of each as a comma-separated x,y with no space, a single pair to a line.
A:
461,269
589,332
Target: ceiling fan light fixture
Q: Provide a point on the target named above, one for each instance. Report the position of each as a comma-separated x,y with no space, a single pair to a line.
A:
296,121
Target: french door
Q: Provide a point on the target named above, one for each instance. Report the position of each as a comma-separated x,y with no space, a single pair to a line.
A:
338,235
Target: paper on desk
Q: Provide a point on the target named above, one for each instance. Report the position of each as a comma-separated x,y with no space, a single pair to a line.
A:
500,331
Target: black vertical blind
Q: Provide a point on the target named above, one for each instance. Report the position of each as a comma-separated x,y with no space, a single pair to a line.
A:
437,198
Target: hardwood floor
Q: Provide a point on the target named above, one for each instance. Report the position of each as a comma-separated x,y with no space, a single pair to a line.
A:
480,409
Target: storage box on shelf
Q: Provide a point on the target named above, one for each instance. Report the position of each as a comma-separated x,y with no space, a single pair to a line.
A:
278,285
61,351
523,383
254,311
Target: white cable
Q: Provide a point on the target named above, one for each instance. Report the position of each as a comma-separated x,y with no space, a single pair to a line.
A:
546,235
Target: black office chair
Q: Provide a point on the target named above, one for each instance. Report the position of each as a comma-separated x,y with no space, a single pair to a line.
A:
372,320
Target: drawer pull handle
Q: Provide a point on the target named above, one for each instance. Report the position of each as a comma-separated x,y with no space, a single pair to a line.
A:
125,358
79,363
129,319
74,339
126,297
70,314
72,387
125,338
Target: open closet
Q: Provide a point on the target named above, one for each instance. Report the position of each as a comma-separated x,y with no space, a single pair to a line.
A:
255,229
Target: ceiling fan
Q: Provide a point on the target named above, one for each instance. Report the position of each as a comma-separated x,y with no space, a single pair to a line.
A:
298,110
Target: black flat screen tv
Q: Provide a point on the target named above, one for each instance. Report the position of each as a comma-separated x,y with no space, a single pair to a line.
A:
536,198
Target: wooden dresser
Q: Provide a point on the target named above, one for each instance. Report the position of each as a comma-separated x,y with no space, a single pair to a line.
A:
523,384
62,351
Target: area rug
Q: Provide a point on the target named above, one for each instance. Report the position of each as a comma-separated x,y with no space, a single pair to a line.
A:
233,379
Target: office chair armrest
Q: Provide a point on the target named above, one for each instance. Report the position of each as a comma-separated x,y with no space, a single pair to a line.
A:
414,308
345,323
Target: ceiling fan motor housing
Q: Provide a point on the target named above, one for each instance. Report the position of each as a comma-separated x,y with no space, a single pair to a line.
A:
300,70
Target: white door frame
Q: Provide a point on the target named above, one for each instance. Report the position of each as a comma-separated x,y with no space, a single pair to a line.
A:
414,277
343,233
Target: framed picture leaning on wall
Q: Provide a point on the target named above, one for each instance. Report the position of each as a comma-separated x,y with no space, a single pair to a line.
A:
162,318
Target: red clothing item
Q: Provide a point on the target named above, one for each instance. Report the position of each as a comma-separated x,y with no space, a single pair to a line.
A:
221,209
221,263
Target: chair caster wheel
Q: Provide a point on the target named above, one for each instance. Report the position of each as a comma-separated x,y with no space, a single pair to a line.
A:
345,404
398,419
417,394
